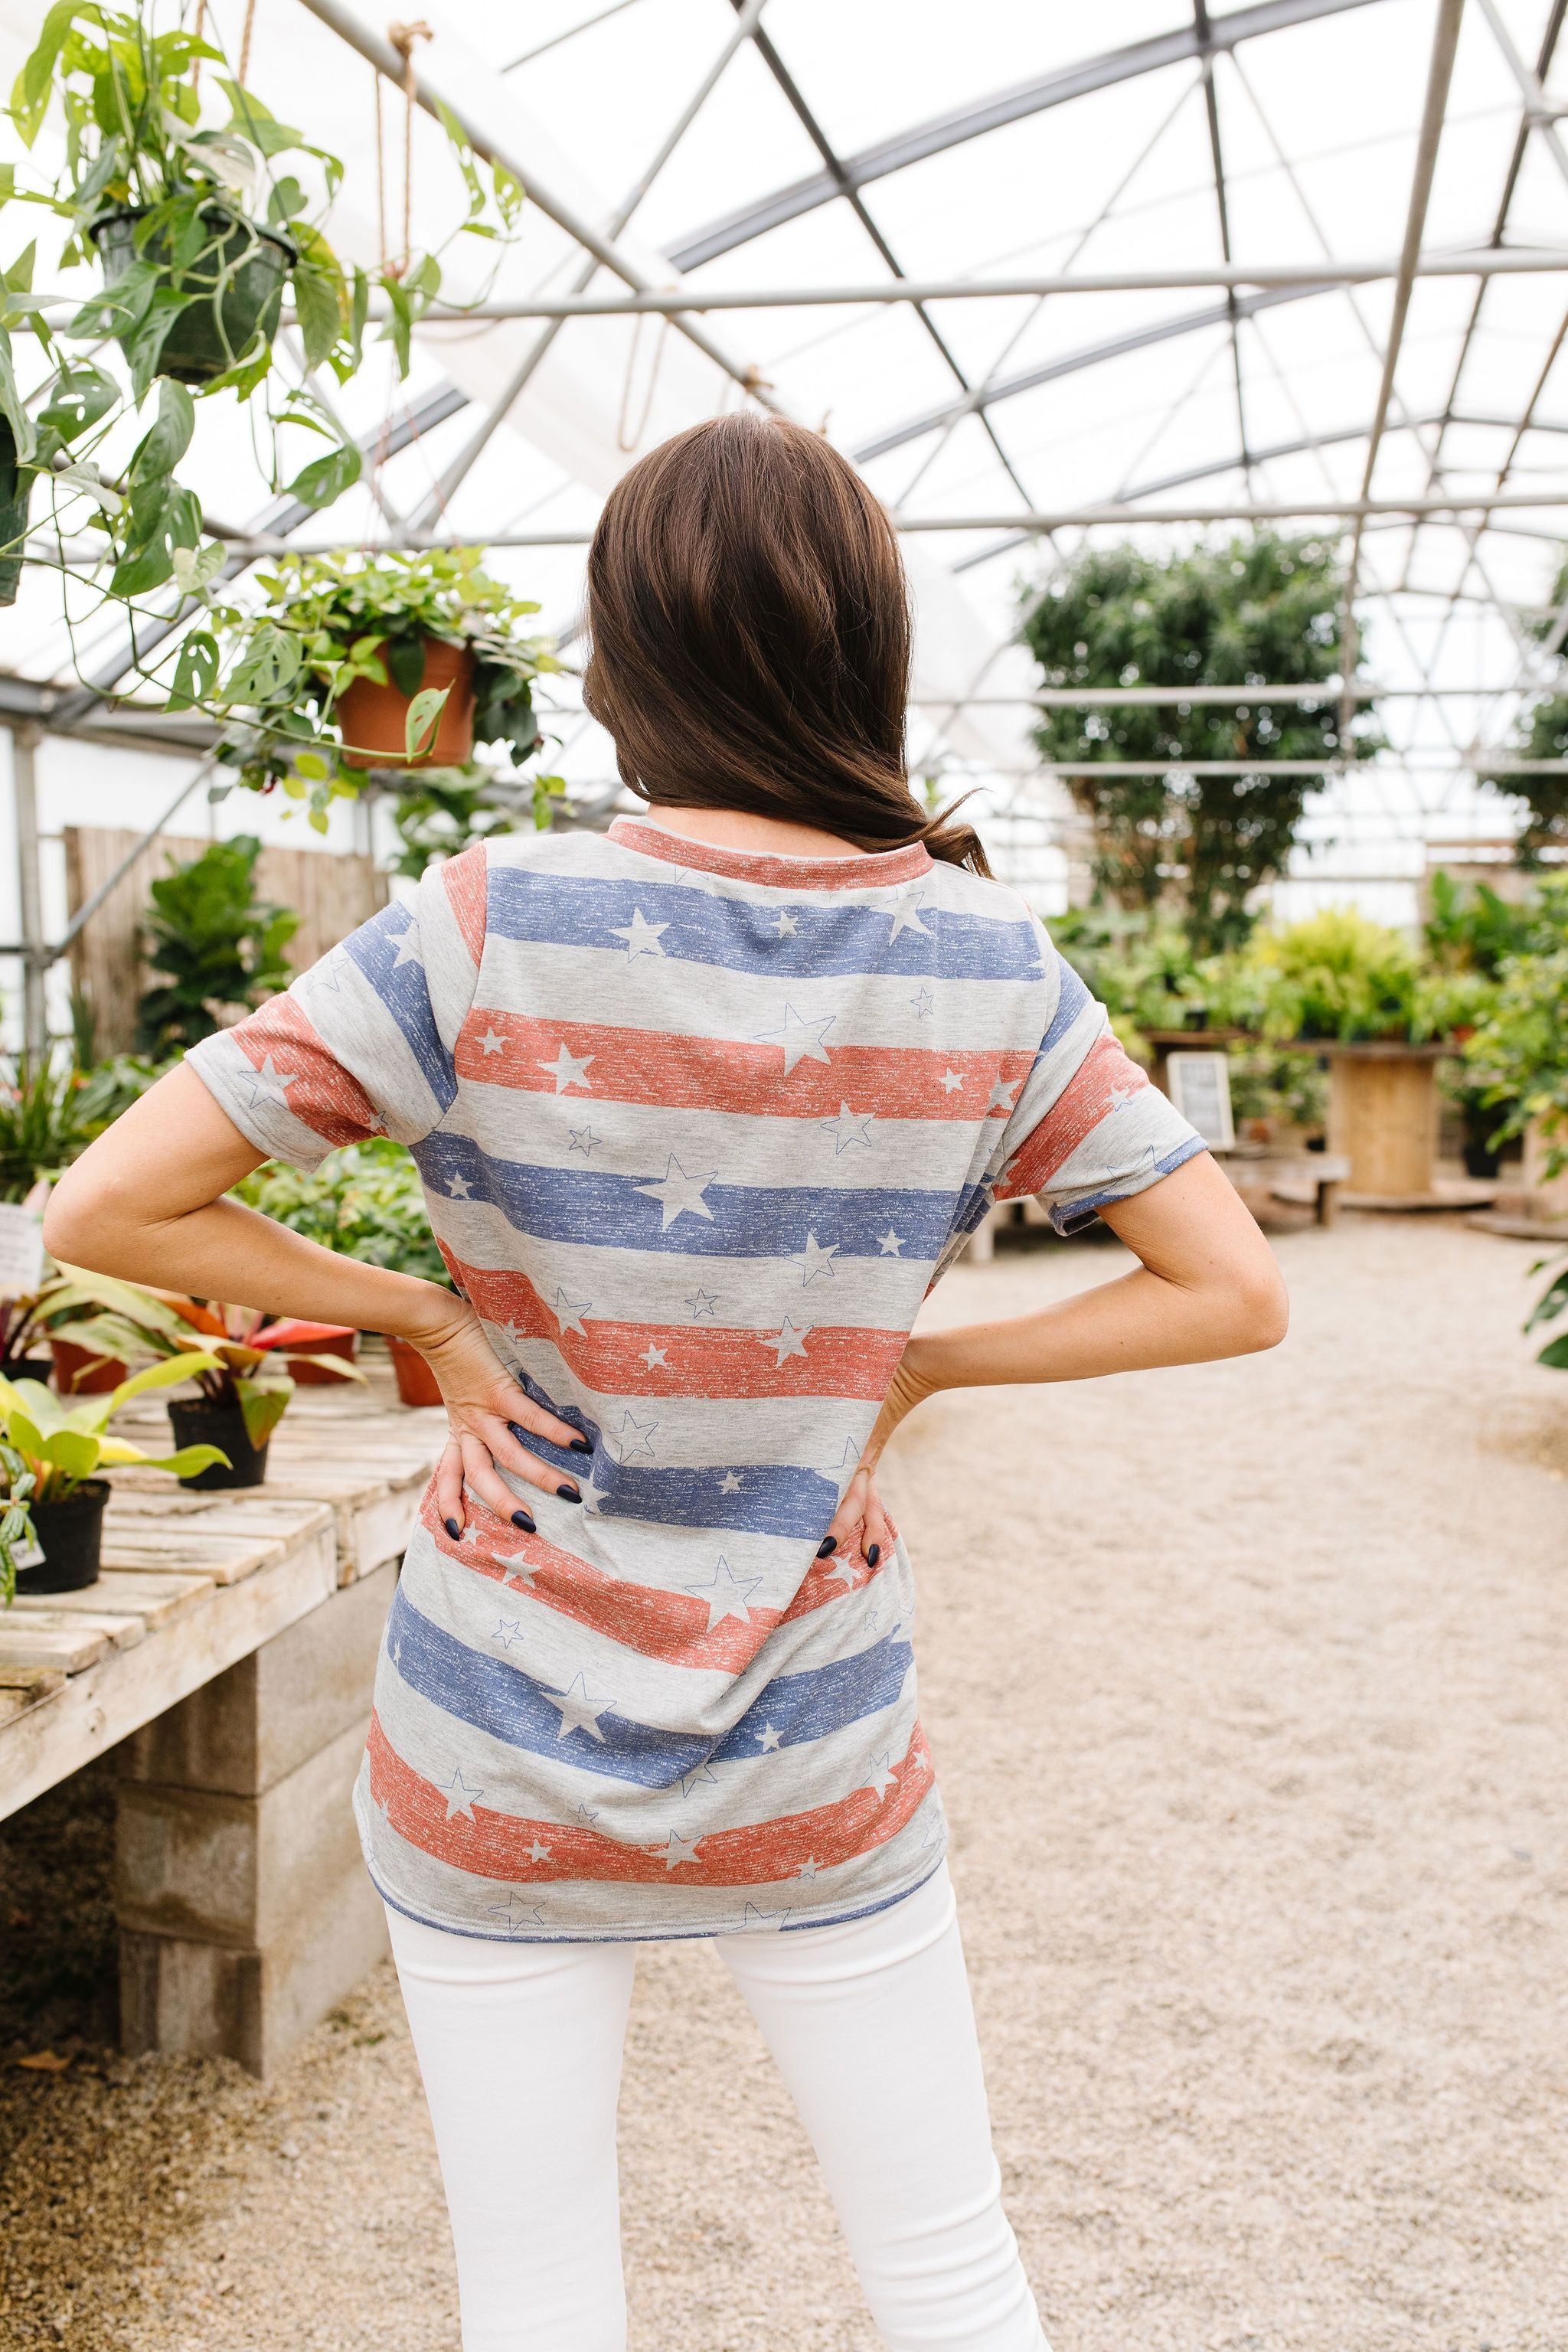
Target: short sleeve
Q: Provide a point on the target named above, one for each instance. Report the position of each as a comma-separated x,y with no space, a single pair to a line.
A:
362,1044
1088,1127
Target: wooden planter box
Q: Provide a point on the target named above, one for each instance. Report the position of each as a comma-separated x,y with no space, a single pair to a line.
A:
1383,1117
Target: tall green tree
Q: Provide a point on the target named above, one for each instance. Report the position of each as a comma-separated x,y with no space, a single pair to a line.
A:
1262,610
219,946
1542,733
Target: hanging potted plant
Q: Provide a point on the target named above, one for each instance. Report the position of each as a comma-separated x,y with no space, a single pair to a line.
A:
63,1446
364,1200
400,660
244,1387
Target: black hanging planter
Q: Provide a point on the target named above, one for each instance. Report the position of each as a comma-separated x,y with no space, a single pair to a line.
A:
15,495
70,1535
195,1420
230,290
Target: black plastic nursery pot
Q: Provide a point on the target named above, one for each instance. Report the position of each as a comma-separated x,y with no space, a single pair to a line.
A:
70,1535
15,495
195,1422
233,288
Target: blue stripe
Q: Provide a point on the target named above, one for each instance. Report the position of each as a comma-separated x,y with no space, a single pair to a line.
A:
742,935
593,1207
1070,1004
492,1695
402,988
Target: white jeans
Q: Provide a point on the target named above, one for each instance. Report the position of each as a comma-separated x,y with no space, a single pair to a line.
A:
871,2027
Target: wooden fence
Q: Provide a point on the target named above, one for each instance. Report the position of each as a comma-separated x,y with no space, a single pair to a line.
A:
330,894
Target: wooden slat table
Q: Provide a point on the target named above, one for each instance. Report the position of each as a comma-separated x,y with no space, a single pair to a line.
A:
193,1582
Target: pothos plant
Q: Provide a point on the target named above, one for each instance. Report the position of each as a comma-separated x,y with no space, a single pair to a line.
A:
199,229
278,674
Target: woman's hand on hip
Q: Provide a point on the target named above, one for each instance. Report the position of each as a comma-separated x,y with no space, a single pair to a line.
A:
490,1417
860,1523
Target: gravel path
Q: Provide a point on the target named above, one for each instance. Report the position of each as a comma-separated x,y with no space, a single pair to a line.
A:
1246,1687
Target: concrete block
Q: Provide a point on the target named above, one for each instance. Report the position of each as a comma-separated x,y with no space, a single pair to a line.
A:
240,1871
248,1729
197,2000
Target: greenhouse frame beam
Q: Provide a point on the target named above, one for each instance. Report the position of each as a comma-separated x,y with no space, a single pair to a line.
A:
1013,105
379,52
1323,277
1222,206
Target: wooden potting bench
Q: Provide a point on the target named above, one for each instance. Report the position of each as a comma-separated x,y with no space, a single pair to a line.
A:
226,1650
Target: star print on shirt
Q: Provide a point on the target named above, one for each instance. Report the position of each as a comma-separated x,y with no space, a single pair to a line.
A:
537,1853
848,1128
652,1357
882,1777
637,1437
801,1035
508,1630
578,1711
842,1565
408,947
642,937
1002,1094
729,1484
754,1916
814,1259
789,1342
726,1593
889,1245
767,1738
689,1780
492,1042
677,1193
268,1086
522,1571
461,1798
848,1462
458,1187
704,1306
515,1915
582,1140
808,1868
923,1002
906,914
786,926
569,1312
951,1081
569,1070
677,1850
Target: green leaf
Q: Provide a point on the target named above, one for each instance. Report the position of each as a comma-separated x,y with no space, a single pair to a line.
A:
170,518
19,276
73,1452
321,296
269,666
161,450
424,718
13,407
405,659
195,566
164,1375
256,122
195,672
326,478
190,1460
1555,1353
30,92
81,395
287,199
264,1404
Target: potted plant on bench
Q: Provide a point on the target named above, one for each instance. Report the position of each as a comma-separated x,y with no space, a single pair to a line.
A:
62,1447
244,1389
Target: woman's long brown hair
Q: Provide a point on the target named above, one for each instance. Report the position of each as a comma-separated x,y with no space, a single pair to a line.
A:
750,625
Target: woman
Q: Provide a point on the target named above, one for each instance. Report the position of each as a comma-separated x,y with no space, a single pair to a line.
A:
703,1108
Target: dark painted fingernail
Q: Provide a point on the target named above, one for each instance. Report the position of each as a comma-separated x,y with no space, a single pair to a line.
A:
520,1519
828,1543
572,1494
520,1434
454,1530
581,1444
873,1554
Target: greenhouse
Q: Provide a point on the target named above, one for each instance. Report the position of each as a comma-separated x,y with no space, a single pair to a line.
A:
530,540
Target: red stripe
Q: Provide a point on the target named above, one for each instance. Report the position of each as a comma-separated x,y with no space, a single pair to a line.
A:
864,873
669,1626
700,1360
500,1846
333,1104
684,1073
466,880
1106,1069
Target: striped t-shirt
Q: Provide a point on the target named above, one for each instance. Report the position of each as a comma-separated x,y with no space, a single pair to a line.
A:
698,1128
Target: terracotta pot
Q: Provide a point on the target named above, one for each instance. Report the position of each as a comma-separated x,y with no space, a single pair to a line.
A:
374,718
79,1372
416,1383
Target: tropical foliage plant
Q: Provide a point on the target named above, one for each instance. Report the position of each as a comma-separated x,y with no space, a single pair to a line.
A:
1552,1302
62,1444
219,946
1261,609
1542,733
47,1118
442,812
1520,1048
17,1535
278,673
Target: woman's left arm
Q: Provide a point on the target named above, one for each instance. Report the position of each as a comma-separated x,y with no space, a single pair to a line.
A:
146,1201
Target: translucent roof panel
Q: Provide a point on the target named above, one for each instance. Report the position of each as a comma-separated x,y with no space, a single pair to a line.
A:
785,150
